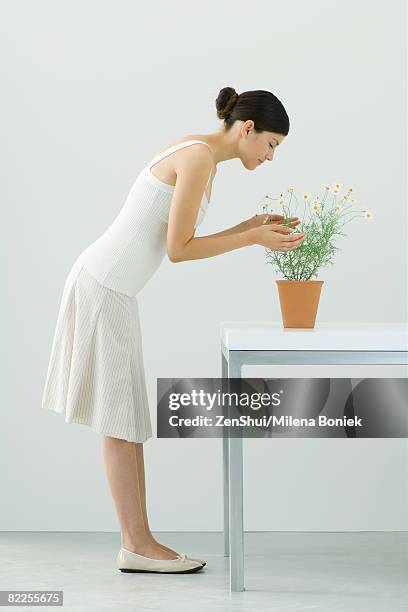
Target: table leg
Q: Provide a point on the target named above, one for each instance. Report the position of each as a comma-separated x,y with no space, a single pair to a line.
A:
235,479
236,515
225,454
225,462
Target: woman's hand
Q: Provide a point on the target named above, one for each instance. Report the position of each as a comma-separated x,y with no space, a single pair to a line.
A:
258,220
275,236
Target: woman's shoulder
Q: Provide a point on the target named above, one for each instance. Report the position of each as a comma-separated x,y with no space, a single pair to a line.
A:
185,155
183,139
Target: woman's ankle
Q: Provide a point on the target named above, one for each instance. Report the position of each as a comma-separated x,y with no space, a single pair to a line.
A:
133,541
150,549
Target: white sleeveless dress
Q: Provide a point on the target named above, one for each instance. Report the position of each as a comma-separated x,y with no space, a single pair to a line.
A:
96,373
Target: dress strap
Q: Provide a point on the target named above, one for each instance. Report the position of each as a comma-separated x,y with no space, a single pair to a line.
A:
180,145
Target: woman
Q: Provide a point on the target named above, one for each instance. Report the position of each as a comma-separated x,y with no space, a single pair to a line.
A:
96,373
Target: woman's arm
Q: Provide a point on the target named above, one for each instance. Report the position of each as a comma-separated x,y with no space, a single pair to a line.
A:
256,221
214,244
192,169
192,175
235,229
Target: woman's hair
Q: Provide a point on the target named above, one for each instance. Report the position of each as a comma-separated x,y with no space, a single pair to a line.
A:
263,107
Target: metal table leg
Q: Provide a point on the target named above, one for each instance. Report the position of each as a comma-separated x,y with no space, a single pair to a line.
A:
225,462
235,487
236,515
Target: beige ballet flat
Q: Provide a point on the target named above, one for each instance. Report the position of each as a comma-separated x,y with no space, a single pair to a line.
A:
128,561
198,560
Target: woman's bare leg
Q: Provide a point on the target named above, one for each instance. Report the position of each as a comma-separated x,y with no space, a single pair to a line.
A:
121,470
142,494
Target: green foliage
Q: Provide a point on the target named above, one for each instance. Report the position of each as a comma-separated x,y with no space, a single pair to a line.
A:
321,222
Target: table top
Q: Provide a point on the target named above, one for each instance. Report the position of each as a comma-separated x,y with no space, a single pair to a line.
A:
265,335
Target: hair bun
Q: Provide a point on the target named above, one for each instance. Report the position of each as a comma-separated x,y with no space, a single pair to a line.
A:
226,101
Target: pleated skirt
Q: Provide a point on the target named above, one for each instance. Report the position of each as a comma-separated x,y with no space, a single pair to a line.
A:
96,373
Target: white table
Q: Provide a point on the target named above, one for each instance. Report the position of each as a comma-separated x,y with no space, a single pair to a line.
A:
261,343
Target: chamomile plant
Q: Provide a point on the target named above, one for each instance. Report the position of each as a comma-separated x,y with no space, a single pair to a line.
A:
322,221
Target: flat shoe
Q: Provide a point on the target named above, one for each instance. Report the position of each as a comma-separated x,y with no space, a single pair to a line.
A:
198,560
128,561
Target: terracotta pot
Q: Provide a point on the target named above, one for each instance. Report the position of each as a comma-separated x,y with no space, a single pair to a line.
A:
299,301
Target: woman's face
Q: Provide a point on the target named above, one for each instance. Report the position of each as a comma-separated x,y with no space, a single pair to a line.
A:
255,148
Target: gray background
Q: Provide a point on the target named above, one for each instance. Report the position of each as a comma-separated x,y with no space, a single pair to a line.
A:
91,91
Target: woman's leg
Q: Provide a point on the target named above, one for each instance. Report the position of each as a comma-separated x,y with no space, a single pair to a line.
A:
142,493
121,469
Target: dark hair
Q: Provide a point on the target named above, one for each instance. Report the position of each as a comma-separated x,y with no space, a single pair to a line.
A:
263,107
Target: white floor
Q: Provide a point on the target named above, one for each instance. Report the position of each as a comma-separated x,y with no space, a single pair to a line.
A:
353,572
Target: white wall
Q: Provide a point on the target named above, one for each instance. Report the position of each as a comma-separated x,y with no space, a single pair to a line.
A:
91,91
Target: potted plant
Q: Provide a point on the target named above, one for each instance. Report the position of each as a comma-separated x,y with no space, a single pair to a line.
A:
321,222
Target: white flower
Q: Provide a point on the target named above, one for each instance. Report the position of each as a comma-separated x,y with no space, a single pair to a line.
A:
368,215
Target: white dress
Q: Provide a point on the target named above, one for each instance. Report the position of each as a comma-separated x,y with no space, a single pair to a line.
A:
96,373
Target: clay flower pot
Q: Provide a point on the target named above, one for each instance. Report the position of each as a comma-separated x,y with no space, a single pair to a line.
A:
299,301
